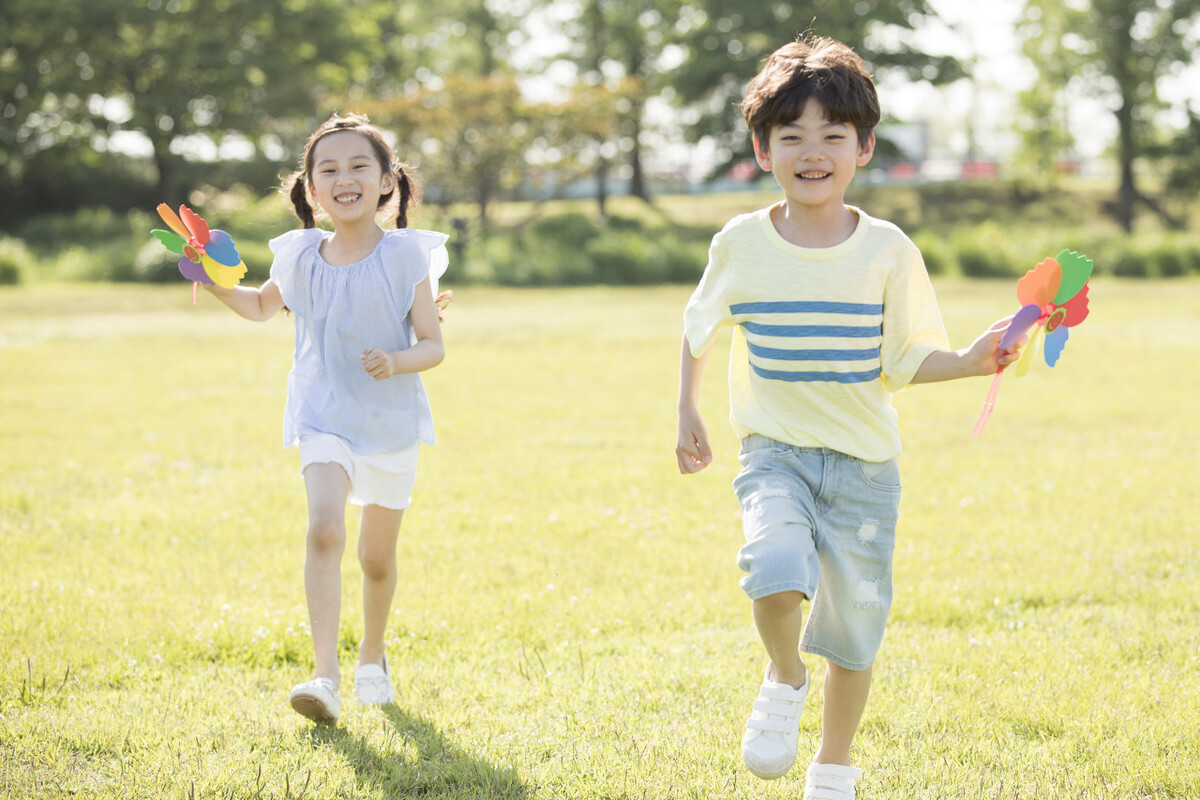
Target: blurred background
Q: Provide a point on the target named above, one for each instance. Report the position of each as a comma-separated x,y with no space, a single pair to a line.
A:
595,141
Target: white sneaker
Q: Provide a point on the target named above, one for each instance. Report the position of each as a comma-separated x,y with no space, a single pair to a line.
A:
373,684
317,699
772,732
830,782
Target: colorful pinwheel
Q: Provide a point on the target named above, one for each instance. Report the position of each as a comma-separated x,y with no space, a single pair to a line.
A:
208,256
1054,298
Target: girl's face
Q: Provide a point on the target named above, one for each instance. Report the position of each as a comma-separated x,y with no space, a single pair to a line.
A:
347,179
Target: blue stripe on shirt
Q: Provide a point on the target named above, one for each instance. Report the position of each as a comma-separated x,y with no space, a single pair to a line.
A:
813,355
816,377
848,331
802,306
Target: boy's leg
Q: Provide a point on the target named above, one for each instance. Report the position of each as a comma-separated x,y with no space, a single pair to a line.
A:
779,619
327,487
377,539
846,693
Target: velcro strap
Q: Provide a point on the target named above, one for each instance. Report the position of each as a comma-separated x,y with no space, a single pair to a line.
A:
772,725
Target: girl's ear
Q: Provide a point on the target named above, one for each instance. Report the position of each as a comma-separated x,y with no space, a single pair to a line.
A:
388,183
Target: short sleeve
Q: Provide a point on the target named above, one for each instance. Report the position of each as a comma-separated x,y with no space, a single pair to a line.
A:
289,249
708,309
912,321
410,255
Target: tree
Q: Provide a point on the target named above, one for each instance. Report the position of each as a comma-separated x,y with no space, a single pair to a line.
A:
1123,47
724,42
171,69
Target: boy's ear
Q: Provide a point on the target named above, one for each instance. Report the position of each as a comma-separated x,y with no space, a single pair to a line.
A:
762,153
865,151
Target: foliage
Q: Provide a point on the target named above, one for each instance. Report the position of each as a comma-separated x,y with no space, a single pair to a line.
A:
725,41
1122,48
568,622
15,260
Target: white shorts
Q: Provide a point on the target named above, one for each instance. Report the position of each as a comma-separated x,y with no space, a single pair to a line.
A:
376,479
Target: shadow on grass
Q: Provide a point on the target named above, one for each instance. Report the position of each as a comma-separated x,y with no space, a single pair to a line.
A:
414,759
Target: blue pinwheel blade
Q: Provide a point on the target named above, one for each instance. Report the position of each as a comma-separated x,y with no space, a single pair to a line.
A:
1056,340
1021,322
221,249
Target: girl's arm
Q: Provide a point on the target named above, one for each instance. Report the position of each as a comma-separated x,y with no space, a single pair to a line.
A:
692,450
254,304
983,357
427,353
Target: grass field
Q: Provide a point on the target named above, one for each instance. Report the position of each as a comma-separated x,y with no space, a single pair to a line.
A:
568,623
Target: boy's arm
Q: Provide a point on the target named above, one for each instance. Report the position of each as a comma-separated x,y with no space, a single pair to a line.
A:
692,450
428,351
983,357
258,304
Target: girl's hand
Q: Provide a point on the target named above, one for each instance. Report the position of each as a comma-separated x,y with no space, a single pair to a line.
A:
441,301
377,363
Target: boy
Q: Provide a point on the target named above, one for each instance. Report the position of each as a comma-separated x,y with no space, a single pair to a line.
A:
833,311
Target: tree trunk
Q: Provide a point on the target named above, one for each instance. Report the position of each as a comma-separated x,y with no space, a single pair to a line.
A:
602,186
637,181
163,164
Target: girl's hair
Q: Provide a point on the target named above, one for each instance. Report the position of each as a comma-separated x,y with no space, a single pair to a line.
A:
406,179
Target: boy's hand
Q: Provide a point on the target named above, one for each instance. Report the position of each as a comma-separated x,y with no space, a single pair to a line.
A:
377,363
985,351
691,445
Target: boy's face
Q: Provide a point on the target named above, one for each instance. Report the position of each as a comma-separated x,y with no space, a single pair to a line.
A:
813,159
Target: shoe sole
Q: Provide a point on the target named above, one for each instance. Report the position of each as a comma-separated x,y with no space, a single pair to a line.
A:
309,706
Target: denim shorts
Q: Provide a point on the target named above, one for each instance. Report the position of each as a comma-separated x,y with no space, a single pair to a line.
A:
821,523
381,479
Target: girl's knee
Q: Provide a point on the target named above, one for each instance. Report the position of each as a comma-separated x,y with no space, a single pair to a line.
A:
326,532
377,563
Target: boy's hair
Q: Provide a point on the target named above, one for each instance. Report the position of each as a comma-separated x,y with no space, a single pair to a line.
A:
406,178
821,69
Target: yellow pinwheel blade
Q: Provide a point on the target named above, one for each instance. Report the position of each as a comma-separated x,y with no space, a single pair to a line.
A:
223,276
1026,360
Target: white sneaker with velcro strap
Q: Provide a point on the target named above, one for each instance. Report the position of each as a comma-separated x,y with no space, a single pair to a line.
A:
772,732
830,782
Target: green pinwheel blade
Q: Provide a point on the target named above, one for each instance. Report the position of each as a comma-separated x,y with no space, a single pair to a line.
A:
171,240
1076,269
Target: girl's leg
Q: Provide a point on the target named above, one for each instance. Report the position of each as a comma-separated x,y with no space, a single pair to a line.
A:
327,487
377,539
846,693
779,619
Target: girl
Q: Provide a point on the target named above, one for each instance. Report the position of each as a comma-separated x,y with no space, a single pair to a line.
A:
366,326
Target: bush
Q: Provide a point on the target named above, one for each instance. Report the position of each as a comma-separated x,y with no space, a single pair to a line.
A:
15,261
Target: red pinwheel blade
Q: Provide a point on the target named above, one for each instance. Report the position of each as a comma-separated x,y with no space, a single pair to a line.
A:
171,240
1040,284
1076,308
195,223
221,248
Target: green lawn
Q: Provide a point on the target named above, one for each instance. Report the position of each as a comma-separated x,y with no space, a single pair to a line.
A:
568,623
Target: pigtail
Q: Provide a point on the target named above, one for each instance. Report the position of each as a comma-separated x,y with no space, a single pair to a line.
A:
405,196
299,196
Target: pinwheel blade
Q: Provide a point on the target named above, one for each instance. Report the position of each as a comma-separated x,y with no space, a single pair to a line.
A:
222,249
1076,308
194,223
1076,269
1040,284
173,221
171,240
1026,360
1020,323
221,275
1056,340
193,271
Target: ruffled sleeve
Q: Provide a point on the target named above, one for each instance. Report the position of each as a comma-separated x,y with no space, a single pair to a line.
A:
290,250
410,255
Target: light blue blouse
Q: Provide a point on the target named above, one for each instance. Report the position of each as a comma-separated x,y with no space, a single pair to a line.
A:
341,311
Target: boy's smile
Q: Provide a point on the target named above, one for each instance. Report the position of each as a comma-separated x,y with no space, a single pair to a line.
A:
813,160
